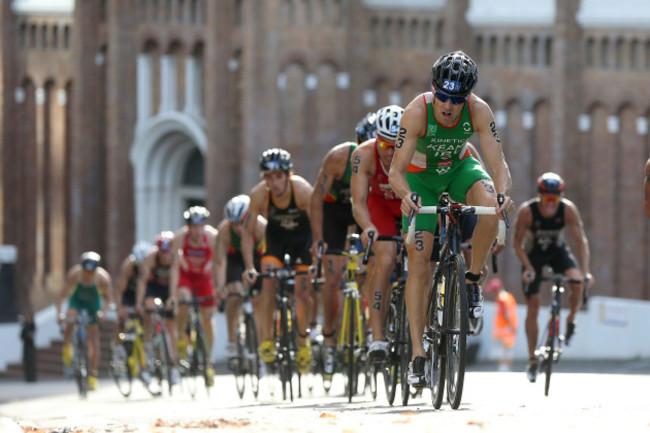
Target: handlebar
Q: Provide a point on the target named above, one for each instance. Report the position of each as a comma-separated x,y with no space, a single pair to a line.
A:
457,210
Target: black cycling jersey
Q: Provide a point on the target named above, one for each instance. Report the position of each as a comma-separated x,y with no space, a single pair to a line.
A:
547,232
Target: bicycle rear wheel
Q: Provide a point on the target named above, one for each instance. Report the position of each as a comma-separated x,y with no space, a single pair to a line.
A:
457,325
120,369
436,351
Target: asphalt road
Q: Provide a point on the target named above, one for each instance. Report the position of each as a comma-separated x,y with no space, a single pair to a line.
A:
585,396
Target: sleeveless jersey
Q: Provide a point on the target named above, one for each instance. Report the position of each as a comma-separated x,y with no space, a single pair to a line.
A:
379,185
159,274
290,223
235,244
340,190
547,231
198,258
86,294
441,146
132,284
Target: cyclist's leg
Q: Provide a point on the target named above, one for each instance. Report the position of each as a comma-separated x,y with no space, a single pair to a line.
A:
565,263
204,288
417,285
182,315
266,307
379,284
303,304
94,351
235,293
331,297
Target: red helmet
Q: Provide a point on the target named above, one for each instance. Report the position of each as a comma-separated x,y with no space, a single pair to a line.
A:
550,183
164,241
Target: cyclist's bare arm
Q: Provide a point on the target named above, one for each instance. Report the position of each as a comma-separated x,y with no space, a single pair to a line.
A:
333,167
126,272
177,257
523,223
302,190
573,220
258,206
221,253
71,279
485,126
105,286
363,169
412,126
145,270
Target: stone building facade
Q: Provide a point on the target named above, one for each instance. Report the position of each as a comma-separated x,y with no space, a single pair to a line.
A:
118,114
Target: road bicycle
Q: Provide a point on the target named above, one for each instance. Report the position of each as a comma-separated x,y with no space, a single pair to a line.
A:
247,364
549,348
129,359
284,328
162,362
80,363
351,347
396,328
195,365
447,317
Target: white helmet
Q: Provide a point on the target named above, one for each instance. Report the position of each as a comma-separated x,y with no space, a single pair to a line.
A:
237,208
388,121
140,250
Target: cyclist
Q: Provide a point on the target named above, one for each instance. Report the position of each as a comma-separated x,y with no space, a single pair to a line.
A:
542,219
283,198
192,270
153,283
126,287
86,283
432,157
376,207
230,263
646,188
331,220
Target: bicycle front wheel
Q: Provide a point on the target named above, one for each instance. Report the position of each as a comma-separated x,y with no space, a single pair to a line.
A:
457,325
391,364
120,369
81,367
553,332
436,352
242,361
252,355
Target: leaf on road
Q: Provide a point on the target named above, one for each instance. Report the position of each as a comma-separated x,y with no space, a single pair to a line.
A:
327,415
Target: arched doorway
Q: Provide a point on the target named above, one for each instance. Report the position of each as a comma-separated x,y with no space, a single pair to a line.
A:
168,163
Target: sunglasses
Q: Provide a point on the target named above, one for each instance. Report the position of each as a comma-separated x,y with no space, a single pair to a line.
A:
442,97
385,145
550,198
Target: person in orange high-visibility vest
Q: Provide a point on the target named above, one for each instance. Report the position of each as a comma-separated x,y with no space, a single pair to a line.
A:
504,328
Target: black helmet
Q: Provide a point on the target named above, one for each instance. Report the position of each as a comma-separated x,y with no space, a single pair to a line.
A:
454,74
550,183
90,260
275,159
366,128
196,215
